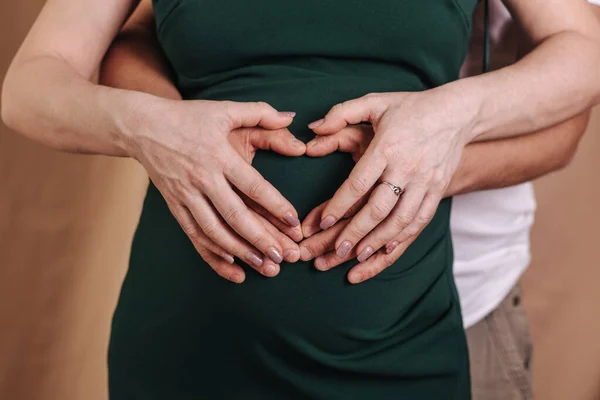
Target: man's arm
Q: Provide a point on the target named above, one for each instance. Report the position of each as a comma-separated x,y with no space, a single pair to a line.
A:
135,61
507,162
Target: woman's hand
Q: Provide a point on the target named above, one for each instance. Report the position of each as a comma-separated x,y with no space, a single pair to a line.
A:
186,148
417,145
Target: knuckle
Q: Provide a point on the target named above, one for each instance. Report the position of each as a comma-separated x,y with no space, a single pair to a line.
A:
255,188
190,230
339,107
199,179
388,260
232,215
358,185
401,221
258,239
262,105
410,231
209,229
355,231
423,219
378,211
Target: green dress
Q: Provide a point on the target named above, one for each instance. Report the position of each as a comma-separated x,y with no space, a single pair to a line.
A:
182,332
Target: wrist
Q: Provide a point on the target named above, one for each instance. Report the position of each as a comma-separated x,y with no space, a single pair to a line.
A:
129,113
466,105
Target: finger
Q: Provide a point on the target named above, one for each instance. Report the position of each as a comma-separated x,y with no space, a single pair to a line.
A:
280,141
237,215
216,230
331,260
250,182
377,263
217,258
362,178
321,242
368,108
291,251
256,114
400,218
231,272
293,232
419,223
379,206
310,225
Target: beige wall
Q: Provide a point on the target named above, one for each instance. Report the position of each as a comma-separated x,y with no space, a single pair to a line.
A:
66,223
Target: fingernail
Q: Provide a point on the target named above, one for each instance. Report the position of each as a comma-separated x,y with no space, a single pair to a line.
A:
391,247
312,143
343,249
289,114
310,230
236,278
316,124
290,255
270,270
228,257
305,254
254,259
298,144
274,255
291,220
366,253
321,264
327,222
356,278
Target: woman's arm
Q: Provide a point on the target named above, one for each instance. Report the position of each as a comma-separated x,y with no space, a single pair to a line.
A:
420,136
47,95
135,62
555,81
183,145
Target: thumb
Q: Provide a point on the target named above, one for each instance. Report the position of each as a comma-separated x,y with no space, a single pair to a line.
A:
280,141
248,115
368,108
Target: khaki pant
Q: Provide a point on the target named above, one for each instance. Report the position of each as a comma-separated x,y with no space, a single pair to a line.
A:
500,353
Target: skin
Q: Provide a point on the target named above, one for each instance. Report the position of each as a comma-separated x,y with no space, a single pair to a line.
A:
183,145
194,170
421,154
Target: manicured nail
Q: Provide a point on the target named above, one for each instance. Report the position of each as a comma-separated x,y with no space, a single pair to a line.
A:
254,259
228,257
310,230
289,114
327,222
366,253
236,278
343,249
356,278
391,247
274,255
298,144
316,124
290,255
321,264
305,254
291,220
270,270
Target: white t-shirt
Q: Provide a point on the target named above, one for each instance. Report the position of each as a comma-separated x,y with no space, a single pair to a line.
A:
490,229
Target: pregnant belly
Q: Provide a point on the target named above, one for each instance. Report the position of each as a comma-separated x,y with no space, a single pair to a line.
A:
171,294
